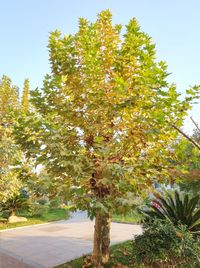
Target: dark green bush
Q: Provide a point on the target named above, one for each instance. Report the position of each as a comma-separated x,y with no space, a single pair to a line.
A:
5,214
55,203
14,204
42,201
164,245
38,209
179,208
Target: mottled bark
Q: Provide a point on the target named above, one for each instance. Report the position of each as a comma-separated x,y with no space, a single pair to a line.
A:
101,239
106,220
97,245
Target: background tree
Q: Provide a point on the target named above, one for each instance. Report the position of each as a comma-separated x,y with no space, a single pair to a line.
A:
102,121
9,100
25,97
12,161
9,152
188,163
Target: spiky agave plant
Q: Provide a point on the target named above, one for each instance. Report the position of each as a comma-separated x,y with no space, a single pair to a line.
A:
179,208
15,203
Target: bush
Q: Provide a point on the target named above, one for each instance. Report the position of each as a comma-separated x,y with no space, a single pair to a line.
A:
164,245
55,203
5,214
179,208
14,204
24,193
42,201
38,209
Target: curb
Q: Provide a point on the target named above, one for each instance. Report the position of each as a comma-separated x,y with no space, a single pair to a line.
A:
27,226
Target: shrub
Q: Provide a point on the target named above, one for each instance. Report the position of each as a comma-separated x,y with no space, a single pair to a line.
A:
164,245
24,193
42,201
38,209
5,214
55,203
14,204
179,208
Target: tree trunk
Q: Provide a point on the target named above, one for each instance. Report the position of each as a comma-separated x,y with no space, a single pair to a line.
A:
106,238
101,239
97,245
12,212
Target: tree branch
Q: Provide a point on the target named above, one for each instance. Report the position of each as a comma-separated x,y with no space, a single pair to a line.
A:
197,145
195,123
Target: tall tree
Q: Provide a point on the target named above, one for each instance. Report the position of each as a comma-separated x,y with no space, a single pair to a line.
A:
25,97
9,151
9,99
102,124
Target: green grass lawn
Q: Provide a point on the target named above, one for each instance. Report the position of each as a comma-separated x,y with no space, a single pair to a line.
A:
120,253
132,217
51,215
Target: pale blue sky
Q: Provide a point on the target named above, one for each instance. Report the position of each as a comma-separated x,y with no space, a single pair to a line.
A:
174,26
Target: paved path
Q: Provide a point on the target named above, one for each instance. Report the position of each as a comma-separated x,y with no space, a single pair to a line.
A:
45,246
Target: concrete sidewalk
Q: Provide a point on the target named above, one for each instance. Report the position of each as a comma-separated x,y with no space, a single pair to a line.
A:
46,246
